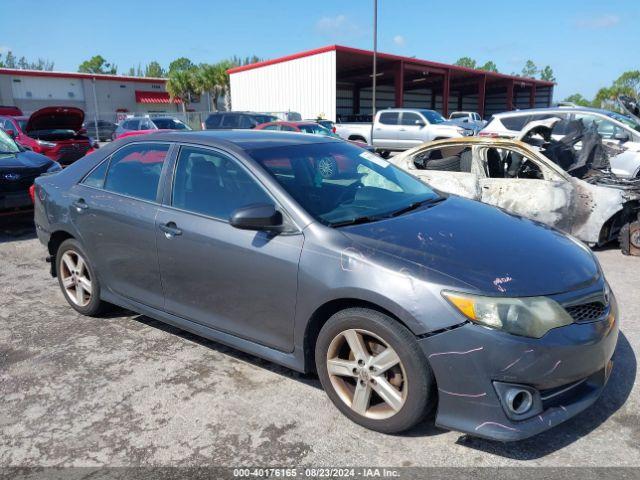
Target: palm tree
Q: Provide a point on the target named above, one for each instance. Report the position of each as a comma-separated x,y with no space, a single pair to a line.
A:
225,65
180,85
209,79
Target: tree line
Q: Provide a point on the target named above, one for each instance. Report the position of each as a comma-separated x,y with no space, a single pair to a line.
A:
9,60
626,84
185,79
530,69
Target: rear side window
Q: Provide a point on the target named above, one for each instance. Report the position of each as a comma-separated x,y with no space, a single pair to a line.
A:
389,118
230,121
212,184
213,121
135,170
247,122
515,123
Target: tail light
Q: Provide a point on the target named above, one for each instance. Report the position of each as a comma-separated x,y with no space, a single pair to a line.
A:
334,129
488,134
32,193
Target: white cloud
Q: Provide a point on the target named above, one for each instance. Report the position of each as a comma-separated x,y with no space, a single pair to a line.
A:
607,20
399,40
336,27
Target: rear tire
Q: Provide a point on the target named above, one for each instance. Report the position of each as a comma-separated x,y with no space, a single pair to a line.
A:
78,280
374,371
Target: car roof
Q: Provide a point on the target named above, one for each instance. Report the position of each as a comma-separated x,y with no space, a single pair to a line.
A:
244,139
532,111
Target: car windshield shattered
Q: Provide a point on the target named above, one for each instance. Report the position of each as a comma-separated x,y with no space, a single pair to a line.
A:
341,184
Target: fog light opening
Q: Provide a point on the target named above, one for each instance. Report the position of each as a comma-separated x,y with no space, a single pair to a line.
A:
519,401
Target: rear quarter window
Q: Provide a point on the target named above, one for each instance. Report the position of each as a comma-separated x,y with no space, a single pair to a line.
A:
515,123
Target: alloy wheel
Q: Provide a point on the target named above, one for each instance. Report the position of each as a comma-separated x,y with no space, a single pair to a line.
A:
367,374
76,279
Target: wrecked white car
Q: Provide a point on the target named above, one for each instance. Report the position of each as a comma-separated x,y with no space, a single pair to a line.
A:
566,185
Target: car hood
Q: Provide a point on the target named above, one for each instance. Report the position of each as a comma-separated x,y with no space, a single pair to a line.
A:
27,159
55,118
481,247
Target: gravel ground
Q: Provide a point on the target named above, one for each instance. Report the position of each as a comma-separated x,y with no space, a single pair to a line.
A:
127,390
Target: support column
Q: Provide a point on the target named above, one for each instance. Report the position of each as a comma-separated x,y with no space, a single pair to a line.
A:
510,88
532,96
482,90
398,79
445,94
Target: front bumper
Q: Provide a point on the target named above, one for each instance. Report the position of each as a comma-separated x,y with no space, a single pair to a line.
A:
567,368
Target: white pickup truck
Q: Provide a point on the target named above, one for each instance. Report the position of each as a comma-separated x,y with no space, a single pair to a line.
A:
398,129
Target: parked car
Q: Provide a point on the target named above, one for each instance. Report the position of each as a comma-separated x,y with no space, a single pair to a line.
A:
236,120
471,120
379,283
551,185
133,124
328,124
287,116
329,168
53,131
18,169
103,133
10,111
620,133
399,129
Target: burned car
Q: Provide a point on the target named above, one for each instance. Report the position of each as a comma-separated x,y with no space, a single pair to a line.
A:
564,183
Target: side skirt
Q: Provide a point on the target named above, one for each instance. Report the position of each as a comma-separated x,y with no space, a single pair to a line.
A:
293,360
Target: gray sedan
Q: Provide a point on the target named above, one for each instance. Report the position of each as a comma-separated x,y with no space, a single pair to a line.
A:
398,296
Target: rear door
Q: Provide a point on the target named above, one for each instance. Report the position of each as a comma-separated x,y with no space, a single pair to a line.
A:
115,210
238,281
386,129
412,131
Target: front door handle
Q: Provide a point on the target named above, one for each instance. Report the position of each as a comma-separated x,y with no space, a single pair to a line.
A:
80,205
170,229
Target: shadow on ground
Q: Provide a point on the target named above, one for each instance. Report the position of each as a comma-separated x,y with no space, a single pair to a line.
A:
17,227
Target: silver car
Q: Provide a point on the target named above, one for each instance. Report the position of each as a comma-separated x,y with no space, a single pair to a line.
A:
620,133
149,123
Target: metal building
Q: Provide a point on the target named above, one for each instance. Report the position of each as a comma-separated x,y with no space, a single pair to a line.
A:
335,82
31,90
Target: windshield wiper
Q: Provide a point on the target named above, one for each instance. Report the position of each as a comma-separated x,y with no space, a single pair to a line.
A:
416,205
354,221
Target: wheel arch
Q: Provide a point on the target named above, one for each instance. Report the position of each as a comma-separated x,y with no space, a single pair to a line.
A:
53,245
357,138
324,312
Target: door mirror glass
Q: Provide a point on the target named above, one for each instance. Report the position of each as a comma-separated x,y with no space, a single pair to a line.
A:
260,216
621,136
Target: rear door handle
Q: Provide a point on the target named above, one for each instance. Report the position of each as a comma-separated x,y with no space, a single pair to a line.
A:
170,229
80,205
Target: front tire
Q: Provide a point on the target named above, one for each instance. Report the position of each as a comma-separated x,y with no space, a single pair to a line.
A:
77,279
374,371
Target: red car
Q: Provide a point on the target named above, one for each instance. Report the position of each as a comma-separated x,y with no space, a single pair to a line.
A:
133,133
52,131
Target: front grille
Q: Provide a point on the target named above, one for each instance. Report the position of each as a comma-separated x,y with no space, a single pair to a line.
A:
587,312
71,153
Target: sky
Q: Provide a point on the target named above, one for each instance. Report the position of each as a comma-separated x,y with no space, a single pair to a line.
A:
587,43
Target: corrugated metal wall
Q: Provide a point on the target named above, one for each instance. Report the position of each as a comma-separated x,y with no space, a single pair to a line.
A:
306,85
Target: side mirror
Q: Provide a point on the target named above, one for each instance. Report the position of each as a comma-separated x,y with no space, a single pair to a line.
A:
11,133
420,123
259,216
622,136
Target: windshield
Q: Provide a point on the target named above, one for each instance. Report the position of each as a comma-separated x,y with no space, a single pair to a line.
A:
315,129
7,145
170,124
628,121
339,183
432,116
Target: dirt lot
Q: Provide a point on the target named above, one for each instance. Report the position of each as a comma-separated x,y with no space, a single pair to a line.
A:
128,390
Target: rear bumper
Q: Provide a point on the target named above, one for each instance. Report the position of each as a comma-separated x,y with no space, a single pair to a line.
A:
15,201
566,371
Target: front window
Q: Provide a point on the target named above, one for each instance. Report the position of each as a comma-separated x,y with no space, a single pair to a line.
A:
7,145
340,184
432,116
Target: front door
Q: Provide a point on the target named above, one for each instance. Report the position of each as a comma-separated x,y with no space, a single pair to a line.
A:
115,210
412,131
385,131
238,281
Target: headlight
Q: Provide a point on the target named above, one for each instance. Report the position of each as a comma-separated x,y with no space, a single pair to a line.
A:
55,167
42,143
527,316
